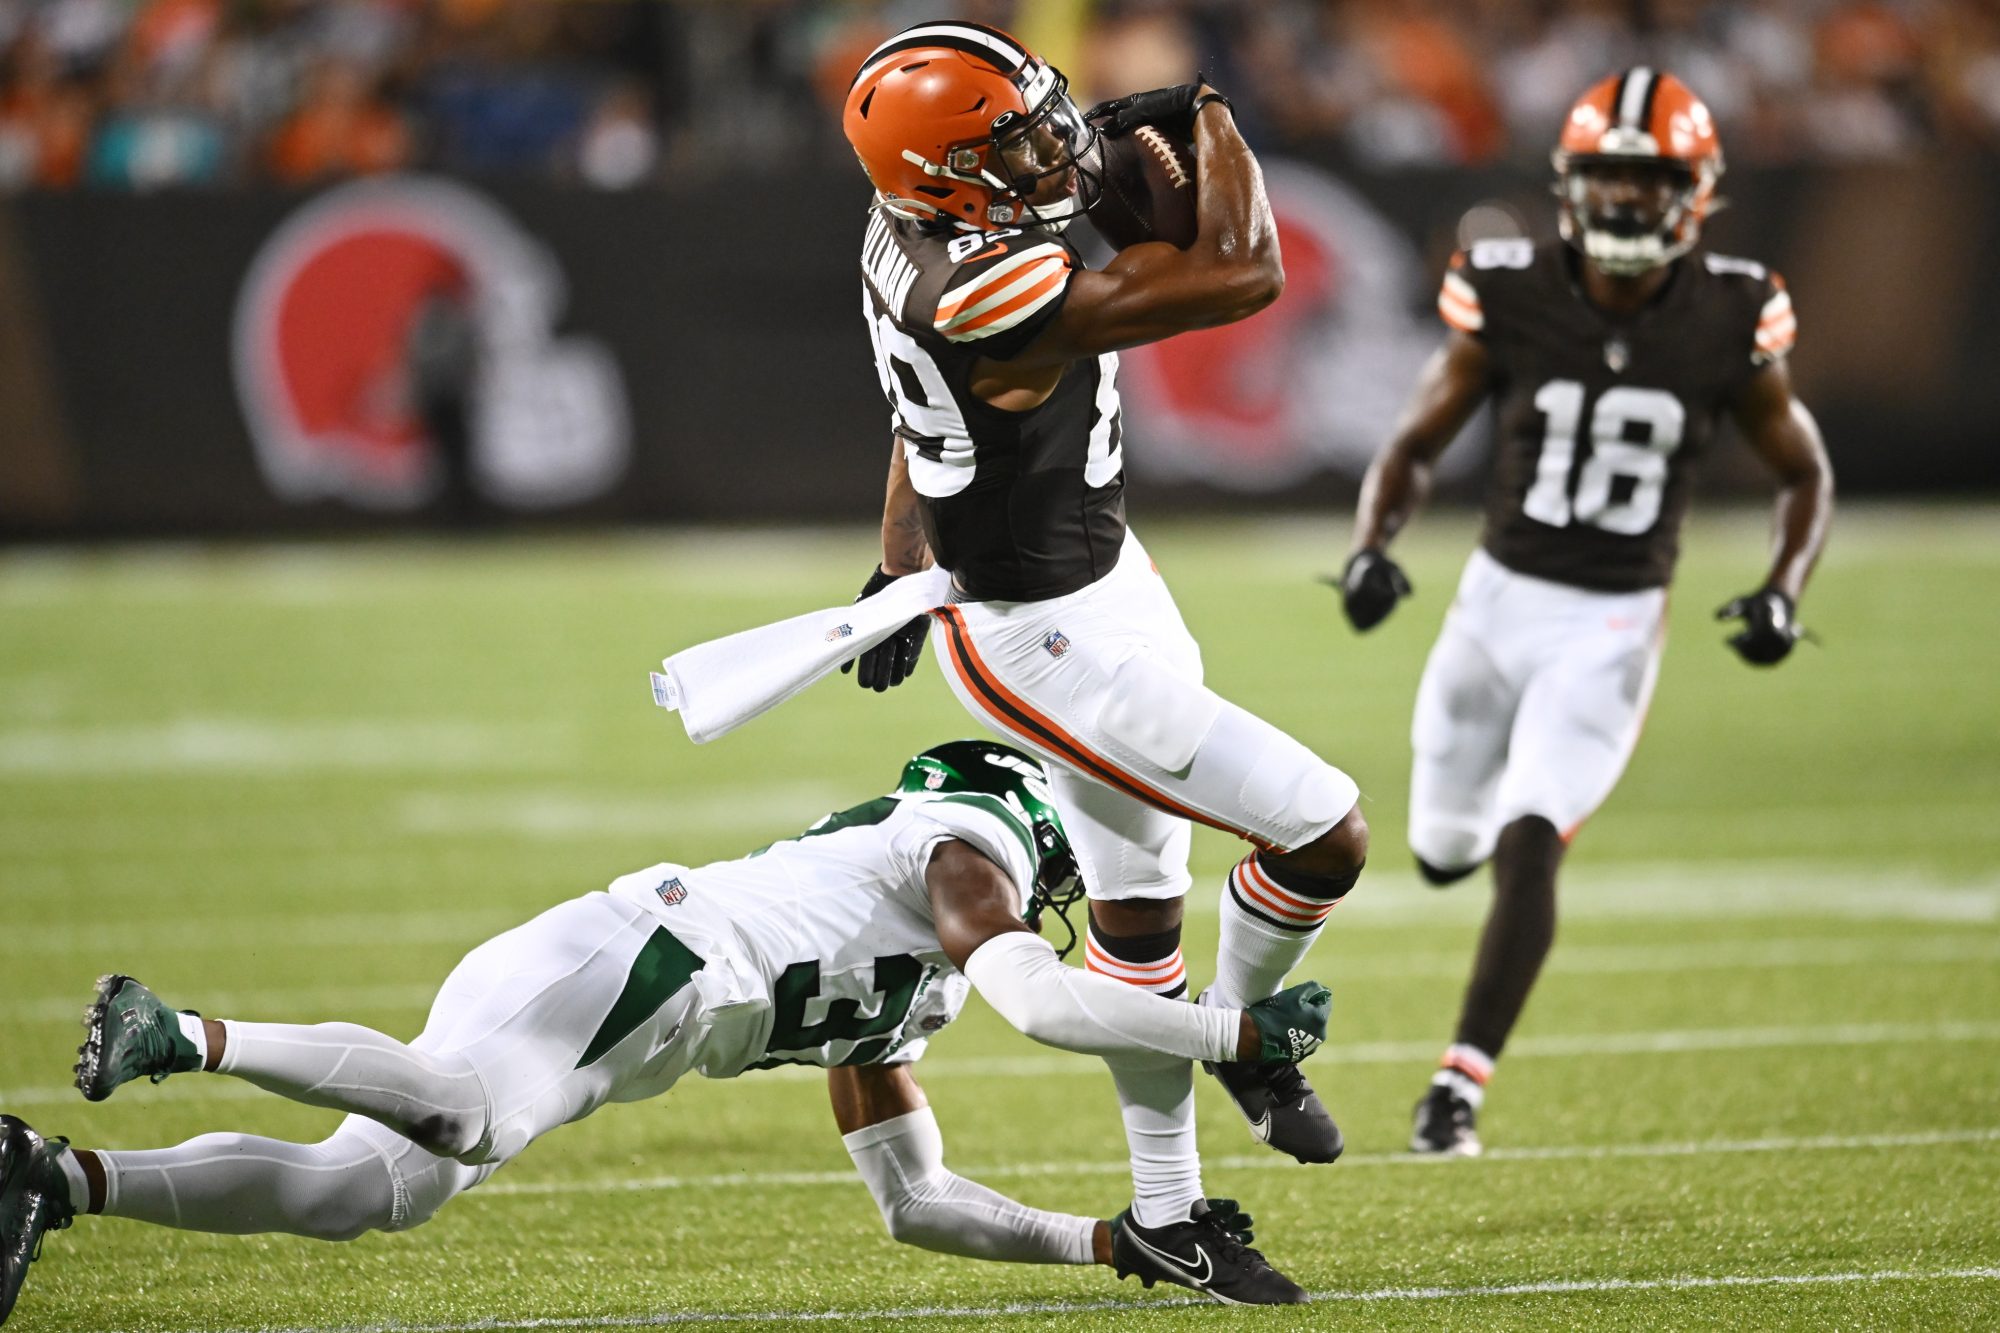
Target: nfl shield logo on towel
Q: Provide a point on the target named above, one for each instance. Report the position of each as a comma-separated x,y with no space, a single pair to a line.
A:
840,632
672,892
1057,643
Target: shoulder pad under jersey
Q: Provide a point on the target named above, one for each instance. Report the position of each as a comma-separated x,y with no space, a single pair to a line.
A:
1003,289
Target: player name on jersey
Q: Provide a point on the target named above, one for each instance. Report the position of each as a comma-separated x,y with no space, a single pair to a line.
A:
884,265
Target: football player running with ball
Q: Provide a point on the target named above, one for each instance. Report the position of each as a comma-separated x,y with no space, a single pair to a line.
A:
848,946
1611,358
998,351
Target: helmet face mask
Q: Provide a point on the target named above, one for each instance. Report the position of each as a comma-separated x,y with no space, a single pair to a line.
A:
1018,781
1050,161
1636,171
1628,212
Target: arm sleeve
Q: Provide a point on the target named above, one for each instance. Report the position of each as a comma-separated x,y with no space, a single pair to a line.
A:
1021,977
923,1204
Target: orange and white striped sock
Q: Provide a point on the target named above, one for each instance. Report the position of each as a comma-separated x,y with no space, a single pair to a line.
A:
1150,962
1155,1093
1266,929
1465,1070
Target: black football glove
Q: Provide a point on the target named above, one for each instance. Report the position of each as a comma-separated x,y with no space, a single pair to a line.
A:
1370,586
1769,628
894,660
1171,109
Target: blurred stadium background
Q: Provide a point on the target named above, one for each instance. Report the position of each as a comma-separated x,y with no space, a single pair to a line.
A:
385,384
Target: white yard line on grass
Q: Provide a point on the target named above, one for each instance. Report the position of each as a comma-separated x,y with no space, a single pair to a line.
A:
252,745
328,1002
562,815
108,941
1359,1053
1585,1152
1632,892
1562,1287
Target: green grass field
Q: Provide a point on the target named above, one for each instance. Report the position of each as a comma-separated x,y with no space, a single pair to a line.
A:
1758,1087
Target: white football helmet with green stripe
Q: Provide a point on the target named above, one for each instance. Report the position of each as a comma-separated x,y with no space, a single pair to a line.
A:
1020,787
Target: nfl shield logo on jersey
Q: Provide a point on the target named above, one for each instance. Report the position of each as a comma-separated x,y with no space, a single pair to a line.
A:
1057,643
672,892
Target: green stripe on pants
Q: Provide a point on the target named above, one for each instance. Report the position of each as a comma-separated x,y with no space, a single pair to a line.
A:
663,966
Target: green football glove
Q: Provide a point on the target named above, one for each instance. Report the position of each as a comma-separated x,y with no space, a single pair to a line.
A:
1292,1023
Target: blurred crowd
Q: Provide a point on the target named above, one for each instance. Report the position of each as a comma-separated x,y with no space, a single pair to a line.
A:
610,94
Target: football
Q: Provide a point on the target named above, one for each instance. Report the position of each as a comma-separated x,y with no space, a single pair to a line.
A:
1149,190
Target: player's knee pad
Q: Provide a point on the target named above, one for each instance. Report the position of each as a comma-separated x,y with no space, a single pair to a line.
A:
460,1119
1451,849
393,1184
351,1189
1291,786
1439,877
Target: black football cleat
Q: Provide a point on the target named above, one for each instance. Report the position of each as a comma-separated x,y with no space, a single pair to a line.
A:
1209,1252
1281,1107
1445,1125
34,1200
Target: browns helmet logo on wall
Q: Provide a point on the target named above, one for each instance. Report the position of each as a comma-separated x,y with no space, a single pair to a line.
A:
395,344
1315,382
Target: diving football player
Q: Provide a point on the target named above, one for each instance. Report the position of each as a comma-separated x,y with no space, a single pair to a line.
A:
849,946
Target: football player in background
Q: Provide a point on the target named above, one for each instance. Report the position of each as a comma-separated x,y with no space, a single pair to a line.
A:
998,351
892,910
1611,356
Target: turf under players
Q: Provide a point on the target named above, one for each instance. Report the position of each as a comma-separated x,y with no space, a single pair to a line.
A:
1611,359
998,352
848,946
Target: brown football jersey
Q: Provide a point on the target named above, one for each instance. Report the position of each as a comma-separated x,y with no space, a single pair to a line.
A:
1019,506
1600,419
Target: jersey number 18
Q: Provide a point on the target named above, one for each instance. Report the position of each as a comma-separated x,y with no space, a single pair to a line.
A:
1653,415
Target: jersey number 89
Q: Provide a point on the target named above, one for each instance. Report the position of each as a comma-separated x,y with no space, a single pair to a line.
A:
1654,415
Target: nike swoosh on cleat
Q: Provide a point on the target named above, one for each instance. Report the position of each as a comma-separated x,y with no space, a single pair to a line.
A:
1261,1127
1198,1276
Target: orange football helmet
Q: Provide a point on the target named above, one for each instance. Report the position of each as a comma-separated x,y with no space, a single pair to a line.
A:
957,122
1646,129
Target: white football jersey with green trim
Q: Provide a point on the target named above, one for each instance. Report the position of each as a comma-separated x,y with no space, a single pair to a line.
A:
821,949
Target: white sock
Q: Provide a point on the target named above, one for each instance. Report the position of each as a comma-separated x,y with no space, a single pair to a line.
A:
1465,1069
1155,1093
1266,930
197,1032
74,1180
1156,1099
435,1099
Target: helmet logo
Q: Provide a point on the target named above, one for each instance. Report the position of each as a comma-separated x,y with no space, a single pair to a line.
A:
934,779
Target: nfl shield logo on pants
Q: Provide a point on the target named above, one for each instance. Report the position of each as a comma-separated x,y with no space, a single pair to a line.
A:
1057,643
672,892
